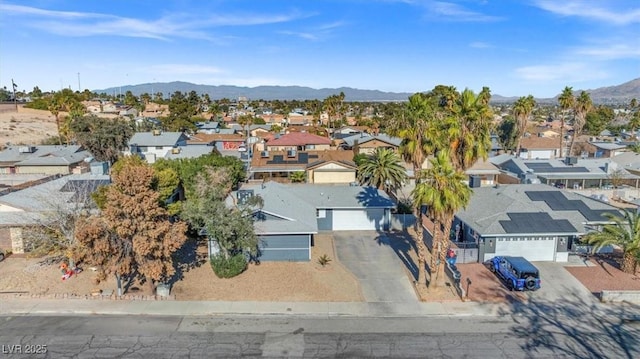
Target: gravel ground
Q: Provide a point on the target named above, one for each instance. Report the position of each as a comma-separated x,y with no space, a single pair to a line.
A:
26,126
275,281
605,274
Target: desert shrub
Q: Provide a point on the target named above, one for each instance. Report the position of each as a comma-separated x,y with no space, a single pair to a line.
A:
324,260
228,267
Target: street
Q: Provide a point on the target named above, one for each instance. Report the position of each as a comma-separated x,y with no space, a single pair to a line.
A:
600,336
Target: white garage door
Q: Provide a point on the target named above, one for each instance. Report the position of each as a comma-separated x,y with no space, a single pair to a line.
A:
532,248
358,220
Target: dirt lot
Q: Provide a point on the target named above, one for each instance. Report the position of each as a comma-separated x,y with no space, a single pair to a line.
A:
25,127
275,281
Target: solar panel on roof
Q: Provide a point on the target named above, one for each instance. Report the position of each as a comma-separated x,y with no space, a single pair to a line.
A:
303,158
535,222
557,201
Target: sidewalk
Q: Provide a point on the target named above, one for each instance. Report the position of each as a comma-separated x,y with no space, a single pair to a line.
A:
203,308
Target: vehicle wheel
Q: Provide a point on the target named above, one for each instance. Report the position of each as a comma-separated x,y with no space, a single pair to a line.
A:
1,257
492,268
530,283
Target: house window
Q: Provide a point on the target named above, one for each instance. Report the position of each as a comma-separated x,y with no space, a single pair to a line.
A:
321,213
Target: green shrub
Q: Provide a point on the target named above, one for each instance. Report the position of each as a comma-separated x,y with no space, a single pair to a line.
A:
404,208
228,267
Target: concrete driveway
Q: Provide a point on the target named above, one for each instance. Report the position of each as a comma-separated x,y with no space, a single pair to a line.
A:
370,257
558,284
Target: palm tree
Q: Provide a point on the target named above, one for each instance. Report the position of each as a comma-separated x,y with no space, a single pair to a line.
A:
444,192
581,106
414,126
623,232
522,110
382,169
566,101
468,129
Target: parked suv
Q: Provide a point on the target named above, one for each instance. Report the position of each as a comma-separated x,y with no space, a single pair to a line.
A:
517,272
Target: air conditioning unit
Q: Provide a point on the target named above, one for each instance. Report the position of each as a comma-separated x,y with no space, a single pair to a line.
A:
264,154
157,132
570,161
27,149
291,153
175,150
475,181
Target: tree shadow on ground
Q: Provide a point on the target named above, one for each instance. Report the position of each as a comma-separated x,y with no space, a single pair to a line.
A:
574,327
488,287
188,257
402,244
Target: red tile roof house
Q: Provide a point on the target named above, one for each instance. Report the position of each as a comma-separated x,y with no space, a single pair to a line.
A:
302,141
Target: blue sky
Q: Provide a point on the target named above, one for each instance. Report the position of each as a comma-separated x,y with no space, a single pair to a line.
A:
514,47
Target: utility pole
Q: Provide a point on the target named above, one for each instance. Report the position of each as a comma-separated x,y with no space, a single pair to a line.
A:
79,89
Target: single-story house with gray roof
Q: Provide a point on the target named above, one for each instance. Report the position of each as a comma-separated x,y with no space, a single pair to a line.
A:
49,159
293,213
44,202
534,221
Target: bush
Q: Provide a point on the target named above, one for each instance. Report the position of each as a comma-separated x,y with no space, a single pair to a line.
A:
228,267
404,208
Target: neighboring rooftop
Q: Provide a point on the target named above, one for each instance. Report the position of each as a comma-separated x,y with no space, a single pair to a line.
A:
157,138
299,139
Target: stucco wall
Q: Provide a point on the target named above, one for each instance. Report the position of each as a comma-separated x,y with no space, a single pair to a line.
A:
332,177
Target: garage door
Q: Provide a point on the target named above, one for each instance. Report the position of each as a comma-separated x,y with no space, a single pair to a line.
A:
358,220
532,248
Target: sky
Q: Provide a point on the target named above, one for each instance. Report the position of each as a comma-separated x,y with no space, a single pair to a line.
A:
514,47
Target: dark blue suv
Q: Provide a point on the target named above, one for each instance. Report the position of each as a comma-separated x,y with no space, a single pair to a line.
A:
517,272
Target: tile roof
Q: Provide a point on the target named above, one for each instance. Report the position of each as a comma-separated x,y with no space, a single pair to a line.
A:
299,139
213,137
535,142
301,161
364,138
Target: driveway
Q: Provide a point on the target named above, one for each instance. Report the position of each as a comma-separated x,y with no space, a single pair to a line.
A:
558,283
370,257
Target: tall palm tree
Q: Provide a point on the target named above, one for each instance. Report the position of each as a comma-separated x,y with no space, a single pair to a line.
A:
623,232
382,169
566,101
414,125
522,111
444,192
581,106
468,129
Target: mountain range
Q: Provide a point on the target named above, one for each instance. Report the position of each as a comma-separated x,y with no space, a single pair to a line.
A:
619,94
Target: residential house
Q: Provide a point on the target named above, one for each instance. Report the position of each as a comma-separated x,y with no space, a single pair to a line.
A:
128,111
603,149
49,159
189,151
366,143
538,222
43,202
300,141
208,127
482,173
572,172
155,144
153,109
539,147
330,166
286,231
348,131
225,141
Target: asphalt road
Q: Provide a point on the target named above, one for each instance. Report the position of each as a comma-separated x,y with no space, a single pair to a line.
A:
295,337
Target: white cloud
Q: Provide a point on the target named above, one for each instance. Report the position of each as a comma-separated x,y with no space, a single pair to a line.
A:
627,13
561,72
75,24
317,33
455,12
609,51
